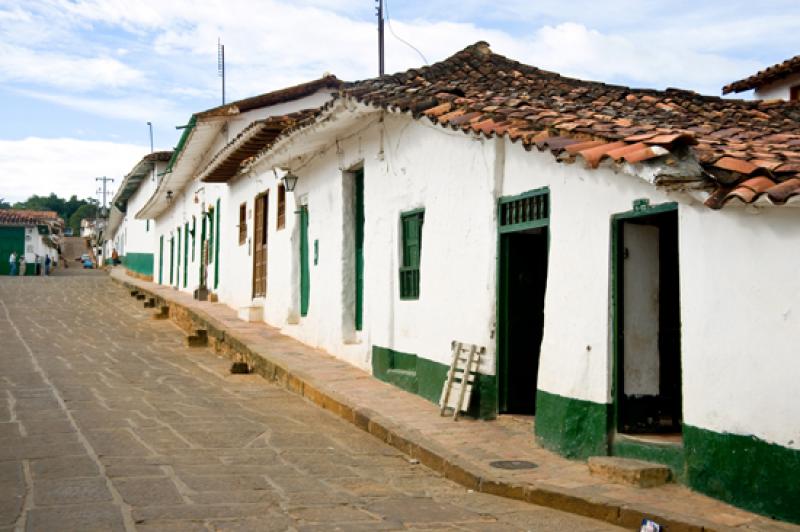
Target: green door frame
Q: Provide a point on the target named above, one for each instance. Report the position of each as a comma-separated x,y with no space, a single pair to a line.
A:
514,224
185,254
216,250
305,281
171,260
359,247
202,243
641,209
161,259
178,269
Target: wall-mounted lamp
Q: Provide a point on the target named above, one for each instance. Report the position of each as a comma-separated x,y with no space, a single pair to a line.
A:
289,181
169,196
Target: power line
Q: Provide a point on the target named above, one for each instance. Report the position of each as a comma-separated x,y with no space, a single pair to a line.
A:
391,30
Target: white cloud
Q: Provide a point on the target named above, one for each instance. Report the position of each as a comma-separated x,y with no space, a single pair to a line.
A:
65,166
18,64
136,108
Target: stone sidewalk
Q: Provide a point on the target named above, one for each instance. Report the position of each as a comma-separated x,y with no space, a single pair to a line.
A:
460,451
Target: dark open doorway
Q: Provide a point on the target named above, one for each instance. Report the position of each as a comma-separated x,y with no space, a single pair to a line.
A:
523,281
648,323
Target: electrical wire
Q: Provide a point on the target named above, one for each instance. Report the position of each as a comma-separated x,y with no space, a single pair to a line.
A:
391,30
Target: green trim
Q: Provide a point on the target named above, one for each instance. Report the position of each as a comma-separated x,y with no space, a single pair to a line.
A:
181,144
534,214
178,257
202,243
216,250
141,263
359,247
161,260
425,378
194,235
185,254
669,454
745,471
305,274
571,427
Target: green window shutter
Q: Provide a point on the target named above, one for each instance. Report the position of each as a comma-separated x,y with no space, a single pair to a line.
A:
305,274
211,235
411,226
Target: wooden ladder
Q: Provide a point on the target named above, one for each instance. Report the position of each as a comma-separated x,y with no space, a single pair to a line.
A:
457,389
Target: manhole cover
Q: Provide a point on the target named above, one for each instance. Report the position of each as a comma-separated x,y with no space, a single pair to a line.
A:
512,464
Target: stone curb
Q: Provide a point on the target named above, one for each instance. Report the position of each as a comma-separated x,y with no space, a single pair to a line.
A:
412,442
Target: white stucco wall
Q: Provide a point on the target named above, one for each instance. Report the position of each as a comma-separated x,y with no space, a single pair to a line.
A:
777,89
575,355
740,289
404,171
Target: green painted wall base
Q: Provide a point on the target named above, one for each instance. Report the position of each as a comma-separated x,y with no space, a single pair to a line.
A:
571,427
745,471
138,262
425,378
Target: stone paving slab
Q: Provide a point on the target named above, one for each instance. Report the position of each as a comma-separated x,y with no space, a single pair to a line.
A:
148,434
461,450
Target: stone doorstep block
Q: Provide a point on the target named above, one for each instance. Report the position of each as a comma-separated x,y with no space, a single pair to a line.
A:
251,313
134,293
162,314
150,303
198,339
629,471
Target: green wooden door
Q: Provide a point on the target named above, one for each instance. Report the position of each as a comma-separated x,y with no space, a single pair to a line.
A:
11,239
359,245
305,274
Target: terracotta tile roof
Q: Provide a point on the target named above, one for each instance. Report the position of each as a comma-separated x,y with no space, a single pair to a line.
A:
249,142
23,217
762,77
479,91
295,92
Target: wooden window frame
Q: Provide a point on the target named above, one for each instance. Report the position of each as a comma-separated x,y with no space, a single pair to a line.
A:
280,220
242,223
410,263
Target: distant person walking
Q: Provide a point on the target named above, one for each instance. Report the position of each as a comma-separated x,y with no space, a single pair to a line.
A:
47,262
12,263
22,265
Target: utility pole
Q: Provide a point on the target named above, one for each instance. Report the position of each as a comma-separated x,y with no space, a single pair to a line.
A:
380,37
105,180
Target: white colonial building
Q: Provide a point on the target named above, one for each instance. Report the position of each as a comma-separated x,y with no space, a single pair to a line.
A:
626,257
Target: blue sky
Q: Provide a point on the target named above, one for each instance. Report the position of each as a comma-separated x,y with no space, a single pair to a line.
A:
79,79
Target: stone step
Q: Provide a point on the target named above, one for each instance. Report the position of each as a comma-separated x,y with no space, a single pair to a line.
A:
198,339
630,471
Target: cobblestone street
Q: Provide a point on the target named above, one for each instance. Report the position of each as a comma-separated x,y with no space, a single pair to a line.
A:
108,422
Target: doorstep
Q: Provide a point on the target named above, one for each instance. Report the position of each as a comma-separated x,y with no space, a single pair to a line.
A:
462,450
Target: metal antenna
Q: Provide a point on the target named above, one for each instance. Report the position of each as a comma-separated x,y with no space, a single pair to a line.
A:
221,66
379,9
150,124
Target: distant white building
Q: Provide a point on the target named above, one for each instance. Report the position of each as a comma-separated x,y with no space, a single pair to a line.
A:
780,81
205,239
33,235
